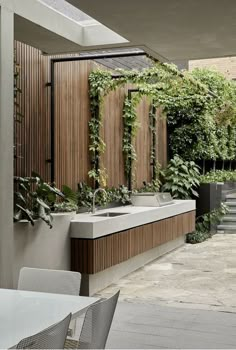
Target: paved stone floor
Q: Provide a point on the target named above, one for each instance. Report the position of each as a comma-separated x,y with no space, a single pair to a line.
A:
152,326
185,299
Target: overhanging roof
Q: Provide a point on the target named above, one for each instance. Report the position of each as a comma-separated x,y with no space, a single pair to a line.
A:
128,62
174,30
53,32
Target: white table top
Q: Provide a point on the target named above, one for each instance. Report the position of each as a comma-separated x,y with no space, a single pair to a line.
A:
24,313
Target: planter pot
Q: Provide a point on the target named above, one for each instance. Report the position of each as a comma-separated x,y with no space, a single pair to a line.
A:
210,196
42,247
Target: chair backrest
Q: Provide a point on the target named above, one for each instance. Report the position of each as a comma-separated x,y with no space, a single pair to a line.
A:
49,281
51,338
97,323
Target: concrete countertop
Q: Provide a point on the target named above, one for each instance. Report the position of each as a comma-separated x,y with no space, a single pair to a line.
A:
90,226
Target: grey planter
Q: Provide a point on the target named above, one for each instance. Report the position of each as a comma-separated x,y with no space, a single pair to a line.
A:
42,247
210,197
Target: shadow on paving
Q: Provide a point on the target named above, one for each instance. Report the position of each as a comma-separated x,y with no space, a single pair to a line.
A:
145,326
183,300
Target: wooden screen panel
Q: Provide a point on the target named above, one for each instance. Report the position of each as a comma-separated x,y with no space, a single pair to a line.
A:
143,169
94,255
72,113
112,133
161,139
33,134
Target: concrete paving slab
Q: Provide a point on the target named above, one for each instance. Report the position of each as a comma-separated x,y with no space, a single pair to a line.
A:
139,326
184,300
201,276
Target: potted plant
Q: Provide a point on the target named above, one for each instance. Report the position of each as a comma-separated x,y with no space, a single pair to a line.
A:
42,215
113,197
213,189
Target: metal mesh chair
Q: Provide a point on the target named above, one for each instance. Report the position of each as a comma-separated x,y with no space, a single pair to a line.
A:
51,338
49,281
97,324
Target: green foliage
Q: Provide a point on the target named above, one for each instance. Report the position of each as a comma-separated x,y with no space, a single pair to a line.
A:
203,126
69,202
85,196
201,123
218,176
203,224
131,126
153,186
197,237
35,199
100,81
174,91
65,207
181,178
119,195
223,105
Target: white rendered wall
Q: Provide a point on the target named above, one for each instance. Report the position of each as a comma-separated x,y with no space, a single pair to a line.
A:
6,146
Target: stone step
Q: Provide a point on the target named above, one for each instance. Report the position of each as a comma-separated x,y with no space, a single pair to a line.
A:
231,196
228,223
230,200
226,193
231,203
231,211
232,232
229,218
226,228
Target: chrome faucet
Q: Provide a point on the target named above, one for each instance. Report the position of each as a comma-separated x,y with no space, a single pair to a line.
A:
94,197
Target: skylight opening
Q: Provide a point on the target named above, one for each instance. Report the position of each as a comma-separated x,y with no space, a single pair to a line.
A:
70,11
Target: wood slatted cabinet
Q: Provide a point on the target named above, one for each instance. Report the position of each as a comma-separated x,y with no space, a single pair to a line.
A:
90,256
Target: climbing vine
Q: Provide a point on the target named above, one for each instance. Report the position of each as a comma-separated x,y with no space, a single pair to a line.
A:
99,85
131,126
161,83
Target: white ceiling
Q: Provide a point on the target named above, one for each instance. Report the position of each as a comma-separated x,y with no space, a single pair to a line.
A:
54,31
176,30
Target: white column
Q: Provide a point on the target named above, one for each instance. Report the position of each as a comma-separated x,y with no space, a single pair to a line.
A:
6,146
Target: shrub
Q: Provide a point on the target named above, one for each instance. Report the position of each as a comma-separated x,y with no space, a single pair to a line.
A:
203,225
197,237
181,178
218,176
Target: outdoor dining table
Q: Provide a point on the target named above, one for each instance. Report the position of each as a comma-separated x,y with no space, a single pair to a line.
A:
24,313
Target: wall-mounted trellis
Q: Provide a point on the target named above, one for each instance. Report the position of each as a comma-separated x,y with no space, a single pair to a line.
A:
160,83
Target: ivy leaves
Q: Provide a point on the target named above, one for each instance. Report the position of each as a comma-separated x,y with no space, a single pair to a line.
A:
202,126
131,126
184,99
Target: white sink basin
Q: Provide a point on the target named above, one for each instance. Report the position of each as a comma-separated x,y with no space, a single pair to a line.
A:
110,214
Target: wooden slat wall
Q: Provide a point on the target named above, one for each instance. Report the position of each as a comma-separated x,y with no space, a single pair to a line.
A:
112,133
72,113
161,139
33,134
143,169
93,255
